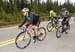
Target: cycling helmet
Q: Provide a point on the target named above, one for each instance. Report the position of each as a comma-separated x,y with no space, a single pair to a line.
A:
63,9
25,10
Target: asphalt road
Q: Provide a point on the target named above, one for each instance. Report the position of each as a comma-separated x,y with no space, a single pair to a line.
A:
51,44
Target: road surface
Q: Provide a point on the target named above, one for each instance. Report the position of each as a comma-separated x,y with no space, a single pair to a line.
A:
51,44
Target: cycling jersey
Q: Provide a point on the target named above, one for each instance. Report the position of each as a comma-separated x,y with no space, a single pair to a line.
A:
31,19
27,19
66,17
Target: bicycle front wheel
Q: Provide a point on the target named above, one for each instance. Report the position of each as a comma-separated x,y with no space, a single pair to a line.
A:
59,32
23,40
49,27
42,33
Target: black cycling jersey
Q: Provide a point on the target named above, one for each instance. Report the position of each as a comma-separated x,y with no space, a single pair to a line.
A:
31,19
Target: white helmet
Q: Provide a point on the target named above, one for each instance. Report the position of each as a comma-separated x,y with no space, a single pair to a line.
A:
25,10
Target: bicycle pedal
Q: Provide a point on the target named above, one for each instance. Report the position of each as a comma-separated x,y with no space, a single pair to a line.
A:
34,41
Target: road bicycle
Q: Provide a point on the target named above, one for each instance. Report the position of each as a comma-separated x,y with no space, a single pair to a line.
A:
53,23
23,39
59,31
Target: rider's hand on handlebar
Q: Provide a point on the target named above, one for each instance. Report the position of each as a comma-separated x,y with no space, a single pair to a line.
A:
22,26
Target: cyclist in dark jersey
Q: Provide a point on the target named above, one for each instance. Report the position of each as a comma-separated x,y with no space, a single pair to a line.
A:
66,17
30,19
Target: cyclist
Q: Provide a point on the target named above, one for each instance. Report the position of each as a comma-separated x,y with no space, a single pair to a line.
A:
66,17
53,16
30,20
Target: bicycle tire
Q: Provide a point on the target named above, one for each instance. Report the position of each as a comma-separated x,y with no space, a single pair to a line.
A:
58,33
24,45
49,25
40,35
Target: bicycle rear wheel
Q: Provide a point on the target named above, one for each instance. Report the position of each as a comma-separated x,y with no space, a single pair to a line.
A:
59,32
49,27
42,33
23,40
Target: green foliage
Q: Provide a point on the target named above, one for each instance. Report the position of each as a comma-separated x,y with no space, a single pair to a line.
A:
8,18
10,12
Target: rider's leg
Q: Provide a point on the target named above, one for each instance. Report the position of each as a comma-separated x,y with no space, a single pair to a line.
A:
36,25
35,37
62,26
67,23
49,18
63,23
24,26
36,31
30,27
56,20
68,26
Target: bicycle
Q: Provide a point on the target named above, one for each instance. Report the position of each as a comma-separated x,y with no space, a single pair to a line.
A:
53,23
25,37
59,31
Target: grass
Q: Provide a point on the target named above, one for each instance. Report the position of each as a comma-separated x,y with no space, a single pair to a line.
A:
9,19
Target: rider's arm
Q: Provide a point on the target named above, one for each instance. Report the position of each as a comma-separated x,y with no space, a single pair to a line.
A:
49,16
67,13
61,15
23,22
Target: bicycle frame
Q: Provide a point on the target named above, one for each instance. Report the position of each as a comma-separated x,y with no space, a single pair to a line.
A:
28,30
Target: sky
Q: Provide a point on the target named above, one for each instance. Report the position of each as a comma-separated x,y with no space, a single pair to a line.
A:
62,1
59,1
